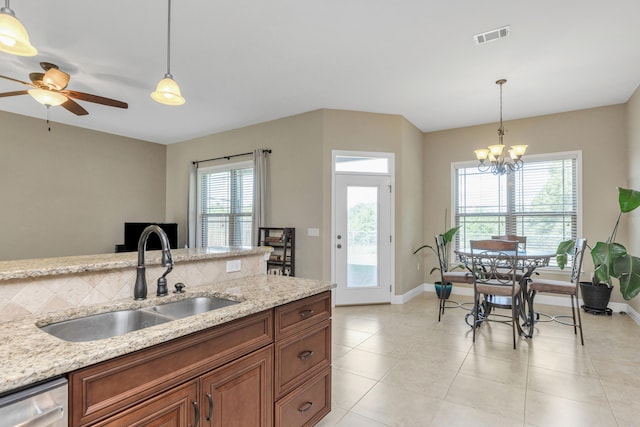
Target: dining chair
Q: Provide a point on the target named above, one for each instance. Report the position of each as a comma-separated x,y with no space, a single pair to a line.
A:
447,276
495,273
522,240
562,287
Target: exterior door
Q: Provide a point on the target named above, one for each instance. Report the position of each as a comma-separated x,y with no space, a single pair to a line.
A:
362,240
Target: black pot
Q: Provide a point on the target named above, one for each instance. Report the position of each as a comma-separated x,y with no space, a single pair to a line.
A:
595,297
447,289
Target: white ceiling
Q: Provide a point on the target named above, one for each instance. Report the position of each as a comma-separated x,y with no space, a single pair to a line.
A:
240,62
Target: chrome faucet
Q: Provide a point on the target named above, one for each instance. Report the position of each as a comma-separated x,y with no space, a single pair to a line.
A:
140,288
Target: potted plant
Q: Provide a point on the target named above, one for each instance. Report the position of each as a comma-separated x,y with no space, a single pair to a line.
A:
443,264
610,259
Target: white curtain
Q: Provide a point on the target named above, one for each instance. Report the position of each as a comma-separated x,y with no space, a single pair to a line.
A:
192,208
260,173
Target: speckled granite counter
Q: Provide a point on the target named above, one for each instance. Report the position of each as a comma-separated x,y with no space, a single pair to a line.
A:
29,355
22,269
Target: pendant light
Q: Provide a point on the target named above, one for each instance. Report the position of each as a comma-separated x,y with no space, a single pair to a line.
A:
499,164
13,36
167,91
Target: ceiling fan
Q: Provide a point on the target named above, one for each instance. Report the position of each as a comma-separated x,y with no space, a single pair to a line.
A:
49,88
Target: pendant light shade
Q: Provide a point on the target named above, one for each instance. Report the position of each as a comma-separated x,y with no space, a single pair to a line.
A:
13,36
47,97
167,91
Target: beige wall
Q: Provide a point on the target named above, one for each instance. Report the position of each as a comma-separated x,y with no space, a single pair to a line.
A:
296,166
600,133
359,131
77,176
300,177
69,191
633,160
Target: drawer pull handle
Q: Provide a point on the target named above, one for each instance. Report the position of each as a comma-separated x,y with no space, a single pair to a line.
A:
196,411
307,313
305,406
210,399
305,354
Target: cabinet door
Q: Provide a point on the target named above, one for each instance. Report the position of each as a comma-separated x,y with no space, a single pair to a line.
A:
240,394
175,408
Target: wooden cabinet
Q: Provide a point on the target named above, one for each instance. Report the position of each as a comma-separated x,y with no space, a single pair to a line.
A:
239,394
177,407
282,260
103,390
266,368
303,361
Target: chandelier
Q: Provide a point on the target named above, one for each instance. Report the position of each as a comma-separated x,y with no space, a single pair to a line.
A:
498,164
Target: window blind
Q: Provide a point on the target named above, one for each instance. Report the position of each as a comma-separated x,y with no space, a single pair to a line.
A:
540,201
225,205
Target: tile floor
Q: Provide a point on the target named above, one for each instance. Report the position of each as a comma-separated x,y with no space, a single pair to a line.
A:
395,365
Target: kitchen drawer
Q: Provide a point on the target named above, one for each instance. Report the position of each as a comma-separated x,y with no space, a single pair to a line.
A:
302,355
106,388
306,405
299,315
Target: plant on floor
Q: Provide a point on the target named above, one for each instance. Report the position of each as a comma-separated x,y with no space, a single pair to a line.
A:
611,259
448,238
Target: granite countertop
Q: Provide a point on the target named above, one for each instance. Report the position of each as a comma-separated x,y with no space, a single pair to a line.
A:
27,268
30,355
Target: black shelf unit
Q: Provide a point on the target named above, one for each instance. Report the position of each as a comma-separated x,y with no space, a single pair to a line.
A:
283,241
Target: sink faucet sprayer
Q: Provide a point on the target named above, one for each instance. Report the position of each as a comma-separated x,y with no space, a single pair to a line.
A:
140,288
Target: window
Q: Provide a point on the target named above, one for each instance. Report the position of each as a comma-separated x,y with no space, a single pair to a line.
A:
225,205
539,201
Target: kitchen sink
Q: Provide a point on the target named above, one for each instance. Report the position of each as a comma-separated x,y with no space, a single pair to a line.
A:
107,325
104,325
191,306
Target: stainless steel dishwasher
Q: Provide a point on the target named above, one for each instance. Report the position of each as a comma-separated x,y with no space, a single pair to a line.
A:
42,405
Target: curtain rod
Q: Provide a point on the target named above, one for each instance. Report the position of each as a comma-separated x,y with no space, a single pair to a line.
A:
195,162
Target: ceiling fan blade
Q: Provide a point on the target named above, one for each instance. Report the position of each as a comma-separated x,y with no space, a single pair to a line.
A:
94,98
16,80
19,92
74,107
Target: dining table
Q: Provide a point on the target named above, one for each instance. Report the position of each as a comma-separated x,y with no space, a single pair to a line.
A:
527,263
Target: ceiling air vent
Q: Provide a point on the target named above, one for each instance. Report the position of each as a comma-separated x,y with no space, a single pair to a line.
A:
492,35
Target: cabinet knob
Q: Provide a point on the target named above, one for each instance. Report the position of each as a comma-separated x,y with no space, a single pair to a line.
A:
339,246
306,313
305,354
305,406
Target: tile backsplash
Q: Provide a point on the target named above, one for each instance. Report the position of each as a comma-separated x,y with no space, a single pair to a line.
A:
22,297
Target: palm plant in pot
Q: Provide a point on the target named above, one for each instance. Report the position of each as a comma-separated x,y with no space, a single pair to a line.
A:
443,260
610,259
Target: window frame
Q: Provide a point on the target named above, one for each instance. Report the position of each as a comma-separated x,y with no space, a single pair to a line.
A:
576,155
215,169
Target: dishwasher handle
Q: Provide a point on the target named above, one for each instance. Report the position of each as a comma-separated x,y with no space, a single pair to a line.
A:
45,419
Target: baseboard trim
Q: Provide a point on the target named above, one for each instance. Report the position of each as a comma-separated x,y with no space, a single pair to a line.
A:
617,307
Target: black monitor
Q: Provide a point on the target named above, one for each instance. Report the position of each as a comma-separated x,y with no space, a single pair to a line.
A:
133,230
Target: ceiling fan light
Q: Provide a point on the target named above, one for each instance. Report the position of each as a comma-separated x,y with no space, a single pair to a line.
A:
56,79
167,92
47,97
13,36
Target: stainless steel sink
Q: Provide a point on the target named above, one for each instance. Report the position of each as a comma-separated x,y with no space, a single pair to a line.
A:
107,325
191,306
104,325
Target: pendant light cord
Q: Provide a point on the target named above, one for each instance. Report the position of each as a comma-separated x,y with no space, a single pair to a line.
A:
169,39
